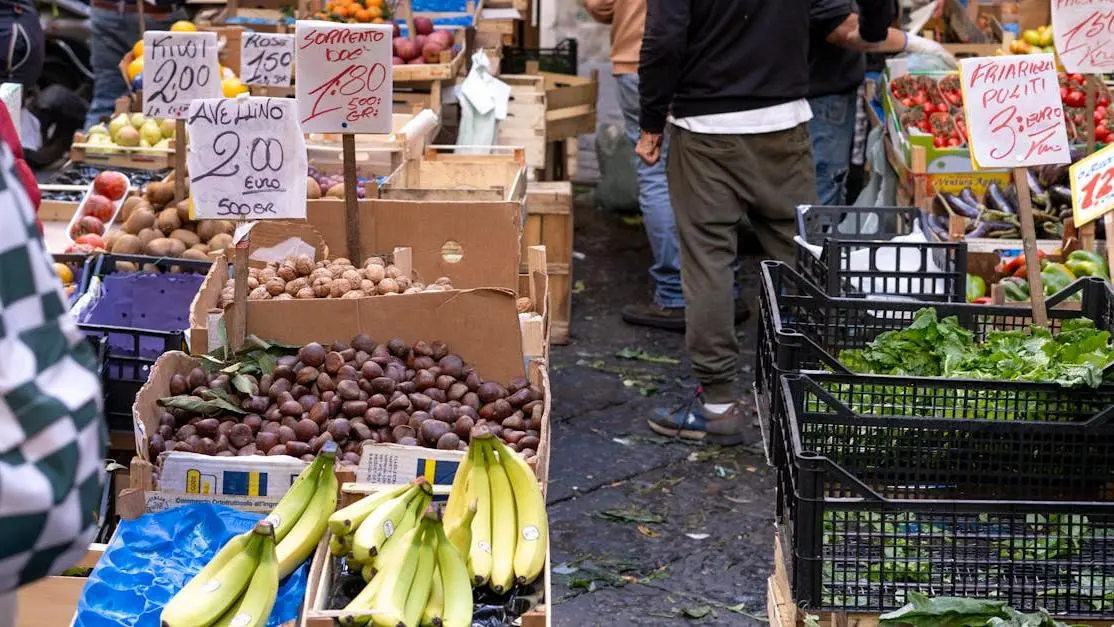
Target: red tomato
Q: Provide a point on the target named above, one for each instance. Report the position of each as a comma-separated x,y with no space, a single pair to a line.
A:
907,103
1100,113
925,126
1102,133
1102,101
1075,98
1076,78
953,141
1064,93
939,142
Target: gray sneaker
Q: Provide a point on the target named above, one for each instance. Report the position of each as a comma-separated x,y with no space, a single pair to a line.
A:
693,421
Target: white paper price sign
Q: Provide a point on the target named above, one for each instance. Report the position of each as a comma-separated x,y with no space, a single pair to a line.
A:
179,68
1013,109
1092,186
266,59
247,159
344,82
1083,33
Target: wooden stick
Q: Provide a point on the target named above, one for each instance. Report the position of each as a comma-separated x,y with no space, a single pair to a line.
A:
1029,245
237,328
351,202
179,158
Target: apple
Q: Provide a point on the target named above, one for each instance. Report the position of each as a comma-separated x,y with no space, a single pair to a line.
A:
111,185
423,25
86,225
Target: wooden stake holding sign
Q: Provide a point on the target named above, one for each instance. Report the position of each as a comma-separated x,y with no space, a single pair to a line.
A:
344,85
179,68
1016,120
252,168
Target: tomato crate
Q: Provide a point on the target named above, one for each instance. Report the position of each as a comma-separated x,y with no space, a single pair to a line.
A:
861,251
890,485
803,328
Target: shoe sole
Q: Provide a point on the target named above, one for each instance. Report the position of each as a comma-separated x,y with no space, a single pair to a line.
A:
700,436
665,325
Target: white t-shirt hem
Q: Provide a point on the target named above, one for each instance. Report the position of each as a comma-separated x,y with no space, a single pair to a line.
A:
756,121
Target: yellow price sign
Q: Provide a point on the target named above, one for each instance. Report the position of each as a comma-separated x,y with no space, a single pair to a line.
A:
1092,186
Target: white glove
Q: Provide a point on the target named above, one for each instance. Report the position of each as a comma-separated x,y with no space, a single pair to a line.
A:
919,45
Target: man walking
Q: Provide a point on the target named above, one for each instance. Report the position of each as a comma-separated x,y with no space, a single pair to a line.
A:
732,77
667,310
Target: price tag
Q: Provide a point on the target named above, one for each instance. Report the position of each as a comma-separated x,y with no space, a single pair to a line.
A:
344,82
1083,33
179,68
247,158
266,59
1013,110
1092,186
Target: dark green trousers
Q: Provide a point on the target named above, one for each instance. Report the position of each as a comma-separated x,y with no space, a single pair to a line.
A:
714,180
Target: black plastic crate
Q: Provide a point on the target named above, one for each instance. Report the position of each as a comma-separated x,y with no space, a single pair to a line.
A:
853,237
803,328
1016,506
560,59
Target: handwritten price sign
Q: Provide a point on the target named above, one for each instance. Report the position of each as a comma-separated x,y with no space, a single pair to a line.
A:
1092,186
343,77
266,59
1013,109
247,158
1083,32
180,67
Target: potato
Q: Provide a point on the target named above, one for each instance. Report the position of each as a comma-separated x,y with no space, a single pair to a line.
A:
186,236
127,244
140,219
168,221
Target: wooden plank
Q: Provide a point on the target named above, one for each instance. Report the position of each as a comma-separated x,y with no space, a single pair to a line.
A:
570,121
549,197
113,156
48,601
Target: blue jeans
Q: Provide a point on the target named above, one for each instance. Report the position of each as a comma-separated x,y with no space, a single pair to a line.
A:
653,199
833,132
114,34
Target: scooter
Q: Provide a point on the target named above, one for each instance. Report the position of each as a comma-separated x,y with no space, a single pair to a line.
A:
60,99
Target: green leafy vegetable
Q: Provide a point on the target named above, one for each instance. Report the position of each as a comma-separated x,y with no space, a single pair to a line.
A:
923,611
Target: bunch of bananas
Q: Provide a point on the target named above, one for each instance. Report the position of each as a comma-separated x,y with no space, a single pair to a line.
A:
238,586
496,496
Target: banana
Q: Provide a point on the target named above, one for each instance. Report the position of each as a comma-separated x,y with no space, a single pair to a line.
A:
458,494
410,519
360,604
346,520
503,529
255,606
479,554
435,606
367,572
303,537
389,602
381,523
418,596
294,502
461,535
456,585
533,523
210,593
336,546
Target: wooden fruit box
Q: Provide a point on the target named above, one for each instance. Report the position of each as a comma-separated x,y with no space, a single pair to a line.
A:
447,68
111,155
492,45
549,222
570,104
505,29
525,124
378,155
443,174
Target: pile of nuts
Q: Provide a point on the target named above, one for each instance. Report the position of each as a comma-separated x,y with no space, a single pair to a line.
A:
301,277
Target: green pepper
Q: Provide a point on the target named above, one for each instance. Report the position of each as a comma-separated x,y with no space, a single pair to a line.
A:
976,287
1087,263
1055,281
1015,290
1057,269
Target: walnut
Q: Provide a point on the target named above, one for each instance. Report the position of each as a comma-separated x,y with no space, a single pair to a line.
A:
303,264
354,294
320,273
339,288
341,261
413,290
284,296
287,272
403,282
388,286
353,276
337,271
276,286
393,271
444,281
305,292
253,272
253,282
374,261
266,274
292,287
524,305
375,273
367,287
259,293
322,287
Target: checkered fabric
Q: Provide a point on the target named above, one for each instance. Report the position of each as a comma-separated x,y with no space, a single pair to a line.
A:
52,433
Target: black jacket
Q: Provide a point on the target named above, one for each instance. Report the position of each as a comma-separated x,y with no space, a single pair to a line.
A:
702,57
832,69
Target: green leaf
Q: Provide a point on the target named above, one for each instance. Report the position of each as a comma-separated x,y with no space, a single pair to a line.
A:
205,407
242,384
697,611
641,355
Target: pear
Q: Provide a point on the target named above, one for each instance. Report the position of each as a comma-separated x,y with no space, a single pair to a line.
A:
151,132
117,123
163,143
97,129
143,143
98,143
128,136
137,120
167,127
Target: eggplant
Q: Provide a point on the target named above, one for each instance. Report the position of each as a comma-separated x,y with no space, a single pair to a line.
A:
1052,175
1037,194
1011,195
1060,195
955,205
996,200
1045,216
985,229
1000,216
968,196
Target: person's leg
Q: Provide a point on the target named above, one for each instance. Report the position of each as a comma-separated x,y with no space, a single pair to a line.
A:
657,216
114,34
775,173
709,210
832,129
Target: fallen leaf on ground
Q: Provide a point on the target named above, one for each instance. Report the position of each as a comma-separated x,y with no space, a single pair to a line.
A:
697,611
646,531
640,354
628,515
578,287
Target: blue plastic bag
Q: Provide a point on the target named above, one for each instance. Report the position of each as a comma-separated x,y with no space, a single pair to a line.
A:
151,558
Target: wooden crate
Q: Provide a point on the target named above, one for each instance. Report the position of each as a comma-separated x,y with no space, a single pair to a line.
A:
442,174
53,600
570,104
376,155
492,45
506,30
120,157
526,118
549,222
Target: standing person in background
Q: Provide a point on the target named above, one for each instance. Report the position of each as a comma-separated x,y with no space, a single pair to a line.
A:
21,43
52,433
115,25
667,310
732,77
837,67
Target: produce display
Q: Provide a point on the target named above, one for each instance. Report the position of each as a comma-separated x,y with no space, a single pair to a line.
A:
930,347
1055,275
420,570
231,86
425,47
237,588
83,174
301,277
129,130
355,11
280,400
1032,41
153,224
